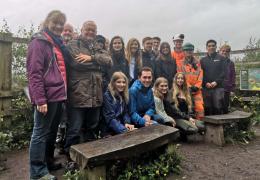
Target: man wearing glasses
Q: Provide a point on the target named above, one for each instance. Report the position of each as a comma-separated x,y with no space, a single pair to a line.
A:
213,66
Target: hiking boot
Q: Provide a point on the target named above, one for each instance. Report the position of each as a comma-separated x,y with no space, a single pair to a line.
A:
45,177
48,177
54,166
71,166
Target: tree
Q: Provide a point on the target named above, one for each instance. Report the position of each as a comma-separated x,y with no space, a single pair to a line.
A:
253,55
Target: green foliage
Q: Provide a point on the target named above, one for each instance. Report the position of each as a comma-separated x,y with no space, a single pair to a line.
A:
157,164
5,139
76,175
19,51
4,27
152,165
242,131
17,134
252,56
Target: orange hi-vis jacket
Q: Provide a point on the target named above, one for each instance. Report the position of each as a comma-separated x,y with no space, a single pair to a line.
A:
179,58
194,78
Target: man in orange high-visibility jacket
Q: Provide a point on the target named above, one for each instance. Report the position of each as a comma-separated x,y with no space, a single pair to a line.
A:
178,53
192,70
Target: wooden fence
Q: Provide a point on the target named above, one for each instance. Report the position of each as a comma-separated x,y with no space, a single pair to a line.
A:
6,41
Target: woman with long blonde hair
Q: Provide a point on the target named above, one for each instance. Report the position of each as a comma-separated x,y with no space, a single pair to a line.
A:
160,90
115,102
134,59
179,106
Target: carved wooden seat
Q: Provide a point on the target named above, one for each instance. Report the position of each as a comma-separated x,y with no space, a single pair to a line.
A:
94,155
214,125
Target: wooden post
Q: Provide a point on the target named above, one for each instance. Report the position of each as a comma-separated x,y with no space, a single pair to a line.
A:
215,134
5,73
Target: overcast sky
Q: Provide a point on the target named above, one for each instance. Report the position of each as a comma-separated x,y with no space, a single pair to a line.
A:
234,21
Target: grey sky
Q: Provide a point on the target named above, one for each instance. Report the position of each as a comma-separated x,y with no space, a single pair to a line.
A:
234,21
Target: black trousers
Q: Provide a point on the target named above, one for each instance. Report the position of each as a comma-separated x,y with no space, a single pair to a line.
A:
213,101
226,102
82,124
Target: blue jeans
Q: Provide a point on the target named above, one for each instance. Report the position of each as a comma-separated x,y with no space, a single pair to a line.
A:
43,139
82,124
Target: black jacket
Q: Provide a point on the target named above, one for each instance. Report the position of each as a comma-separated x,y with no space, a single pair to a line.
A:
213,69
182,112
148,60
166,68
119,64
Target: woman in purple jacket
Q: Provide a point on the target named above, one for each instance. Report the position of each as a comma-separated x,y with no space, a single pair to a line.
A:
48,90
115,109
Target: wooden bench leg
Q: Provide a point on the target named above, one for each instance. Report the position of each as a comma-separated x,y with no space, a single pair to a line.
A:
215,134
96,173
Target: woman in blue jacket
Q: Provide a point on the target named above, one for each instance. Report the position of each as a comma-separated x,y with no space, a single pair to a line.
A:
115,109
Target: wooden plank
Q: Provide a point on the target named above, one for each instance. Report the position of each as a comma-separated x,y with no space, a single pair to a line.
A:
5,94
227,118
5,71
123,145
232,52
7,38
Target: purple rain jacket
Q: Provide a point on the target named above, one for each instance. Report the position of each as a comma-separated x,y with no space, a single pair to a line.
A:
45,80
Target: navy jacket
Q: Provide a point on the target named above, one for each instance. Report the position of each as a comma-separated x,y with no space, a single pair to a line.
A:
115,113
141,103
213,69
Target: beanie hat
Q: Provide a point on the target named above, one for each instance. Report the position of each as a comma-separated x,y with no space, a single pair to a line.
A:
188,47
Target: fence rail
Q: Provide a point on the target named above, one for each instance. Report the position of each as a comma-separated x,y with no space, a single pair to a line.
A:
6,41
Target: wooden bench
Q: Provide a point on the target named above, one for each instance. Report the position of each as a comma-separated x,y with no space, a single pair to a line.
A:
94,155
214,125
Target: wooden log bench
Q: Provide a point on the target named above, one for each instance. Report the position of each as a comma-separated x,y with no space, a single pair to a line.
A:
93,156
214,125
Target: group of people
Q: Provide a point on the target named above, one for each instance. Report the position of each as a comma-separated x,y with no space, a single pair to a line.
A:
107,89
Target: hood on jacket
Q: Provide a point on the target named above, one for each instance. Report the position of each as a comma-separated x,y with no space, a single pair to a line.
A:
139,85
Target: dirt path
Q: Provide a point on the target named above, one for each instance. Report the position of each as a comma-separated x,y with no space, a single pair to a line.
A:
231,162
202,161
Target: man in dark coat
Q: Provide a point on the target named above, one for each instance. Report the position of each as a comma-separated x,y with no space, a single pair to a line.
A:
85,95
148,58
213,66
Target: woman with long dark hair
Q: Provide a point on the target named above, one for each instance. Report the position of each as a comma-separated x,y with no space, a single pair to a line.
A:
117,52
165,65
